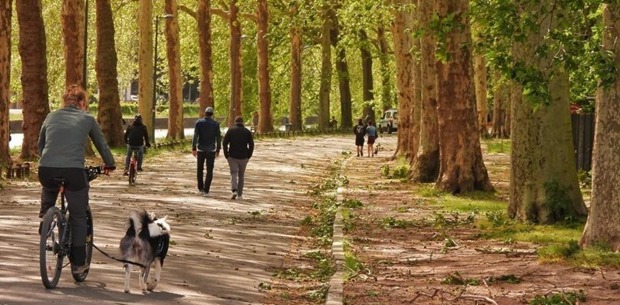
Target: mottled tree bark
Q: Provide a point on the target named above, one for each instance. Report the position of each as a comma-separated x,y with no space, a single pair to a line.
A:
73,35
326,67
236,90
344,80
367,79
145,64
603,225
296,49
462,168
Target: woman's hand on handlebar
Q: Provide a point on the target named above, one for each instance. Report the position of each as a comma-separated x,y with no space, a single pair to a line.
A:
107,169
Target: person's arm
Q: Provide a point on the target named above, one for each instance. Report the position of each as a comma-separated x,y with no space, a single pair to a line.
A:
102,147
195,140
218,139
250,145
127,134
225,144
146,137
42,132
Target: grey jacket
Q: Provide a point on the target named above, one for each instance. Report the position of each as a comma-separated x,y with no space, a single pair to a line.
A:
63,138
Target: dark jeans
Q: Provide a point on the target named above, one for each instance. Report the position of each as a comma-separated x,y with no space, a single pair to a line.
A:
139,155
209,157
76,193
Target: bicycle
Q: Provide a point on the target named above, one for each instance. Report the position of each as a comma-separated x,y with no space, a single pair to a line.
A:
55,240
133,167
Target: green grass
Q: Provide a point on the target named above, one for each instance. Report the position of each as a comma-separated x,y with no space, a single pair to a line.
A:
555,243
497,145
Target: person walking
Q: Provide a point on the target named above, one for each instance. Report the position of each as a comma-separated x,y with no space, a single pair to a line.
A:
206,145
61,145
360,131
238,149
371,131
136,137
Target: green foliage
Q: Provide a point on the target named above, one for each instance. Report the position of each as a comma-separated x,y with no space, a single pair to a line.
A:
352,203
455,278
559,202
560,298
585,179
390,222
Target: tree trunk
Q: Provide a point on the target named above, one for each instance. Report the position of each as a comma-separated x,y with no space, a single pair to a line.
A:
462,169
405,66
500,100
480,81
603,225
175,89
544,186
32,51
386,77
344,84
236,91
265,120
295,109
367,80
5,76
73,34
206,55
326,68
109,115
145,65
426,165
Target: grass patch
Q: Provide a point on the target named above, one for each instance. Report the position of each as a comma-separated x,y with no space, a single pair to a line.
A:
556,243
497,146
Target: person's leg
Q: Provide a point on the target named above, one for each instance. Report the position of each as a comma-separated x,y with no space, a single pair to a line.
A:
140,151
242,163
49,190
127,157
210,163
200,165
76,193
234,173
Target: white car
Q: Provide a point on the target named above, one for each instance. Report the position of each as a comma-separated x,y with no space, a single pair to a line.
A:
388,121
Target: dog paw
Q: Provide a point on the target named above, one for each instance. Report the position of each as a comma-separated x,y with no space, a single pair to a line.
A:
126,290
151,286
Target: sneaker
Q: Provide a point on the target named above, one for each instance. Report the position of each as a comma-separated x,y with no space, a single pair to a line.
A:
126,173
79,269
234,195
239,197
205,194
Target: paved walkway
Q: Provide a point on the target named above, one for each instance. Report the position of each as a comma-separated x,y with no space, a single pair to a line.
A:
222,250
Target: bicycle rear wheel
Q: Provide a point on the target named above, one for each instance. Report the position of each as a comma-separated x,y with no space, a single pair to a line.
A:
133,173
89,246
51,252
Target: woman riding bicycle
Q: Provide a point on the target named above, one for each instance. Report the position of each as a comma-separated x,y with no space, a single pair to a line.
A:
62,142
135,138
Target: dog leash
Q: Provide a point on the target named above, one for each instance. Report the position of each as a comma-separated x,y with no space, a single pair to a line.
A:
118,260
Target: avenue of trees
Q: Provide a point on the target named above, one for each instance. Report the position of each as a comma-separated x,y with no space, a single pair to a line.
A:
445,64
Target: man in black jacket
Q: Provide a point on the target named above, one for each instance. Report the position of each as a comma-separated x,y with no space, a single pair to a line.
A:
136,136
238,149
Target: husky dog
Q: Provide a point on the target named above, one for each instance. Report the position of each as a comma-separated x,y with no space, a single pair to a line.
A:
145,243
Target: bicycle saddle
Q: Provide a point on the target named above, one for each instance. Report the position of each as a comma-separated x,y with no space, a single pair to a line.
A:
59,180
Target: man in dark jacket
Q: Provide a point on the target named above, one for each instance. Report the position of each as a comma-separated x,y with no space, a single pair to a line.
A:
238,149
206,145
136,136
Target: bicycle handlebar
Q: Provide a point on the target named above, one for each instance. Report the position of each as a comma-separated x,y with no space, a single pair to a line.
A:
92,172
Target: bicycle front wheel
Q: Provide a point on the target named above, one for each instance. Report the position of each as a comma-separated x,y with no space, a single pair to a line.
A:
51,251
89,246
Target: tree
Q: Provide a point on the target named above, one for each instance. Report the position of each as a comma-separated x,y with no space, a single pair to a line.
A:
462,169
32,51
5,80
326,65
145,64
73,34
265,121
367,77
175,89
344,84
603,225
295,33
234,25
544,186
109,115
426,164
206,60
402,30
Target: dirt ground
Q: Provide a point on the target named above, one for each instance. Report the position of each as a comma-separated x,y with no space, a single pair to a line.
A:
228,252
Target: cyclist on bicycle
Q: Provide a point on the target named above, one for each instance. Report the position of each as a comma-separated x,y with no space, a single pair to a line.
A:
62,141
135,138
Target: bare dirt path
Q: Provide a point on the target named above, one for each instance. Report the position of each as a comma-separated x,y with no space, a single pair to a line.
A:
222,250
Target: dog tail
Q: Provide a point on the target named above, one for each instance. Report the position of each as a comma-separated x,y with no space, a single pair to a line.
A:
131,229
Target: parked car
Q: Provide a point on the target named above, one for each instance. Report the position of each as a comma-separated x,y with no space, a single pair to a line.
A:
388,121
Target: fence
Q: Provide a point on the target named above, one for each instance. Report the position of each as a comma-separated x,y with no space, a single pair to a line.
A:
583,139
